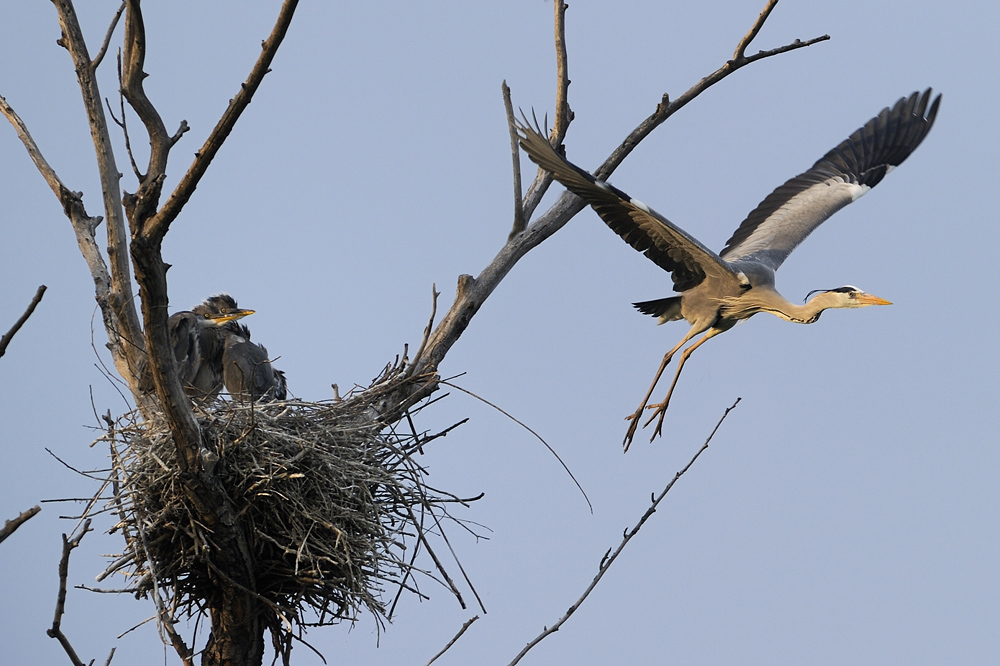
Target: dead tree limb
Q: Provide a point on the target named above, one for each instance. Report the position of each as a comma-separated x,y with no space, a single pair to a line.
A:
116,298
55,631
473,292
465,626
96,62
9,335
610,557
157,226
11,525
740,54
112,277
563,115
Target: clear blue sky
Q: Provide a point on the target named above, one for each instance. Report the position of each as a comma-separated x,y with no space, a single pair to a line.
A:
847,511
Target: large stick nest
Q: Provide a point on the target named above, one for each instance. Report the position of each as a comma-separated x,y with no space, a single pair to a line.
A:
330,500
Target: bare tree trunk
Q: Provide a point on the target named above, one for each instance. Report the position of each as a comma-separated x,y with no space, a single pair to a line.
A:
237,630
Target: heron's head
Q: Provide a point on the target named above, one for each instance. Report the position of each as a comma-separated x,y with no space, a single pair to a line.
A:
846,297
220,309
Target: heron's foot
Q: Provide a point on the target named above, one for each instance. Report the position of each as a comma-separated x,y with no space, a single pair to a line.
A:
633,420
658,414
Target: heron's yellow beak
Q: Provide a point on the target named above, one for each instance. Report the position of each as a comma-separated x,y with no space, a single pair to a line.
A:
230,315
868,299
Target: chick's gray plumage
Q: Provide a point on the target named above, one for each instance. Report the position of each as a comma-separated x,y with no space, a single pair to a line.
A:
213,350
247,371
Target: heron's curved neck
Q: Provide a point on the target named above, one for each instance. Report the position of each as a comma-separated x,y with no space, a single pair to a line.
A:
766,299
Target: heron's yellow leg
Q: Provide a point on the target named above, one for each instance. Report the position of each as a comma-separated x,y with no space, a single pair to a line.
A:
661,408
634,418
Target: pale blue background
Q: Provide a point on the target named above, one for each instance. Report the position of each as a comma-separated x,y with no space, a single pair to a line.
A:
846,512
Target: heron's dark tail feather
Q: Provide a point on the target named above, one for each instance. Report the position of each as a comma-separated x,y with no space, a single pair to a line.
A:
665,309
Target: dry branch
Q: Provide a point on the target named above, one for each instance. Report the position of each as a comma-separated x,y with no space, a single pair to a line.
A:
11,525
610,557
564,115
114,288
473,292
96,62
740,54
157,226
465,626
55,631
9,335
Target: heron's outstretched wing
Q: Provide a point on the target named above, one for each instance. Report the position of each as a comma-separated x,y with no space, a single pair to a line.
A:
668,246
790,213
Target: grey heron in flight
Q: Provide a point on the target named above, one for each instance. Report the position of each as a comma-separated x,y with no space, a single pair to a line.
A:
719,290
212,350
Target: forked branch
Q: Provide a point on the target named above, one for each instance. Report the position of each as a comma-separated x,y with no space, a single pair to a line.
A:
55,631
473,292
667,108
741,48
158,225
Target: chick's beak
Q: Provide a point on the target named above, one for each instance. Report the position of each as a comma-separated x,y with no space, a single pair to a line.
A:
231,315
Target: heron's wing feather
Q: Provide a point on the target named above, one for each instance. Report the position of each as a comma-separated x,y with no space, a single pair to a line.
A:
246,370
783,220
668,246
280,385
184,338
